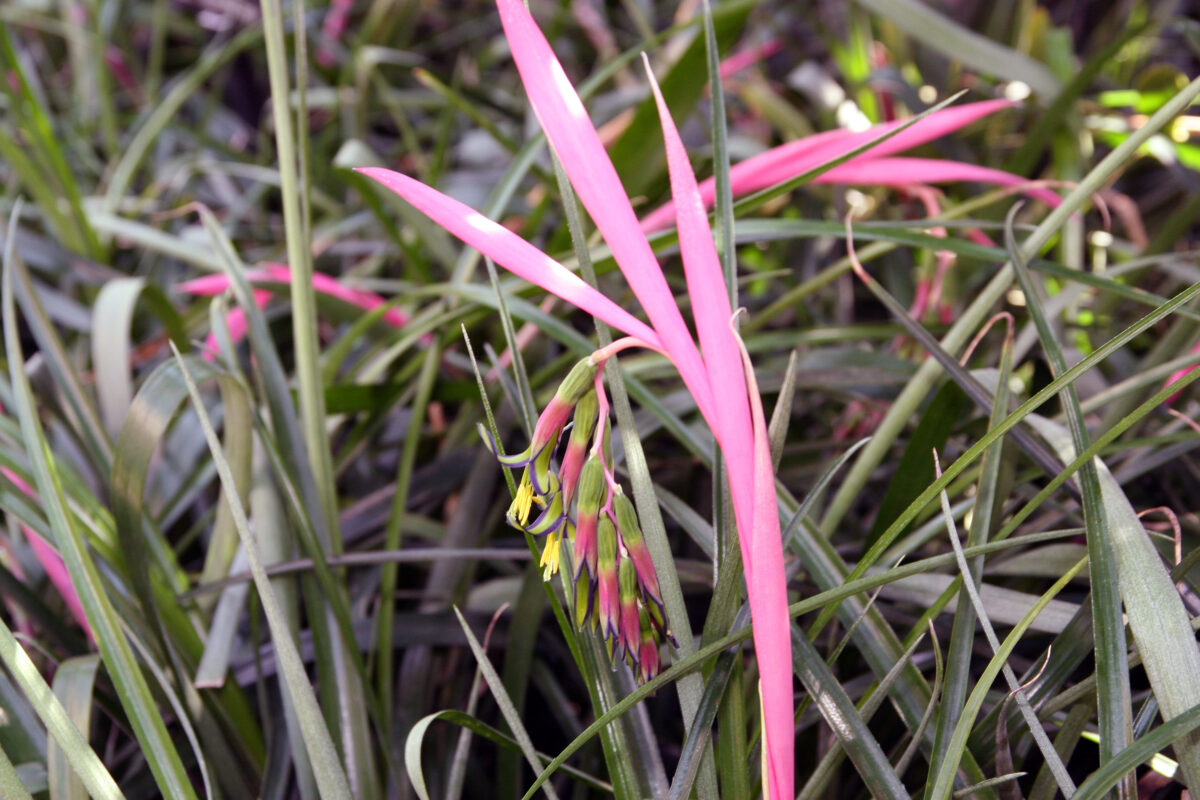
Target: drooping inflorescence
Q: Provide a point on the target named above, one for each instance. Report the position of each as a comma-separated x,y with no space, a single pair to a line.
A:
616,590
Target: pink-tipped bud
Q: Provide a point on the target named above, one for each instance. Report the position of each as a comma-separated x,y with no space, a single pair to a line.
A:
608,602
635,543
592,490
631,631
553,419
648,660
577,445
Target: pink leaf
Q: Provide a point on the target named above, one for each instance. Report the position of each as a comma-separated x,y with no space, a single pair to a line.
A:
511,251
711,312
571,134
795,158
1179,374
270,272
769,606
742,432
235,320
748,57
325,284
213,285
901,172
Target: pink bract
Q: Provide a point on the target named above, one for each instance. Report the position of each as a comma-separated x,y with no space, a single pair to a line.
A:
795,158
235,320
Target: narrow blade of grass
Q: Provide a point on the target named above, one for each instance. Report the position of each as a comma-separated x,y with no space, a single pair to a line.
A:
844,720
1112,666
944,772
1157,618
71,744
112,317
327,768
11,784
1065,783
511,716
73,682
944,35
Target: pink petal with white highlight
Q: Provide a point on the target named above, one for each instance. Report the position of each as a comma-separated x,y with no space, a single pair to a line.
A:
742,432
901,172
796,158
769,607
511,251
712,312
583,157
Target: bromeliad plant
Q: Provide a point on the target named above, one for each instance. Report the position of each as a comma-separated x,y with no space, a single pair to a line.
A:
714,373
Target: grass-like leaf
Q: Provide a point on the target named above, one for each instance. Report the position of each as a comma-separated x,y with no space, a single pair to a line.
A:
327,767
943,34
944,772
73,684
1112,668
511,716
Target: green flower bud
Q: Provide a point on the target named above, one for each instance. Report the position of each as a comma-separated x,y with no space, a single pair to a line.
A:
635,543
583,601
579,382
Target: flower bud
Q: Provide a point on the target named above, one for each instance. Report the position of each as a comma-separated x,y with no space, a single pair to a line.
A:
648,660
608,604
577,445
635,543
630,632
583,600
579,381
592,489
